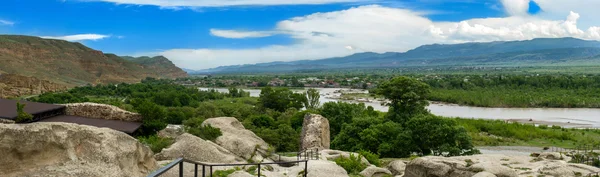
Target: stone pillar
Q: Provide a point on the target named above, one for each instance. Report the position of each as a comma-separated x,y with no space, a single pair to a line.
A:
315,133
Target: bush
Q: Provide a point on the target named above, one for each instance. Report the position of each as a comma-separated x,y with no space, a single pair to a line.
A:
371,157
156,143
194,127
352,165
22,116
153,117
223,173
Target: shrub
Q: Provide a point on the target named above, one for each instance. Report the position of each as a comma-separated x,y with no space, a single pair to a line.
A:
223,173
371,157
194,127
22,116
156,143
352,165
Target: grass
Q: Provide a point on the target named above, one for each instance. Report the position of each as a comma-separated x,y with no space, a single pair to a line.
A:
156,143
500,133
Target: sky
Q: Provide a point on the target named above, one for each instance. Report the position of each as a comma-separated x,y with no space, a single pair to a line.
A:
202,34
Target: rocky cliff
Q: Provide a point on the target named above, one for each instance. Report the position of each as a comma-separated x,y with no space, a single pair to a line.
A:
63,149
72,64
12,85
159,65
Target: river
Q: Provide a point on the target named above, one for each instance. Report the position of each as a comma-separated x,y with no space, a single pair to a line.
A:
566,117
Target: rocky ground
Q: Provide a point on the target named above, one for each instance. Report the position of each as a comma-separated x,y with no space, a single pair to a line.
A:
61,149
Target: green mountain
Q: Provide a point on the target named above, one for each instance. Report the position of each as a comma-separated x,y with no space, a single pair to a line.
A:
72,64
159,65
506,53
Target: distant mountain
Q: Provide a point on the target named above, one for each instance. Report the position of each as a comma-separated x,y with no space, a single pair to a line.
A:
529,52
159,65
72,64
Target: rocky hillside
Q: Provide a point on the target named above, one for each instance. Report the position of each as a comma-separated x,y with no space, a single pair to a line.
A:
71,63
12,85
159,65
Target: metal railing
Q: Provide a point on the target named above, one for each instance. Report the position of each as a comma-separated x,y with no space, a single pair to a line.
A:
180,162
308,155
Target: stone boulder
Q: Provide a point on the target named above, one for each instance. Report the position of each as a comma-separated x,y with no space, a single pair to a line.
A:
329,154
374,171
496,164
6,121
171,131
318,168
194,148
554,156
484,174
238,140
101,111
315,133
63,149
396,167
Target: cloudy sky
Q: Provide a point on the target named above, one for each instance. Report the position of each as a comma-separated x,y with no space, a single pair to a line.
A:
200,34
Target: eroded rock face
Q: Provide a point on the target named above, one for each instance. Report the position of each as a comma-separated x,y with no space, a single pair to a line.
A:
6,121
315,133
373,171
237,139
171,131
497,165
63,149
194,148
101,111
397,167
329,154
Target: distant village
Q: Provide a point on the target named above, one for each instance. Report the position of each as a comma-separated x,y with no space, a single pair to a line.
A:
314,82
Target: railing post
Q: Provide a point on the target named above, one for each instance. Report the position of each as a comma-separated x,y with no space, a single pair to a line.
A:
305,168
259,170
195,170
203,171
181,169
210,171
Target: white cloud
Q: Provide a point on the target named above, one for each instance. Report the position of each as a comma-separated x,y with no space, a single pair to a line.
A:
516,7
6,22
78,37
234,34
381,29
223,3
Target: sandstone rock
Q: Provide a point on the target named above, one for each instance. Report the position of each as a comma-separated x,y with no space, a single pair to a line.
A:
101,111
494,168
329,154
240,174
6,121
397,167
315,133
171,131
499,165
12,85
484,174
373,171
196,149
237,139
63,149
320,168
554,156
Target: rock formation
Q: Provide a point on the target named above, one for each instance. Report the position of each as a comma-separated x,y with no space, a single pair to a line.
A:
238,140
374,171
498,165
101,111
12,85
329,154
315,133
62,149
171,131
396,167
194,148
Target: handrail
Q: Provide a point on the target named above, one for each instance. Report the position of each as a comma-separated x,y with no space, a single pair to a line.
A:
180,162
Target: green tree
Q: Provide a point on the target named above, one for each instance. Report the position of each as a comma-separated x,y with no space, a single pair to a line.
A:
207,132
280,99
153,117
408,98
440,136
313,99
339,113
22,116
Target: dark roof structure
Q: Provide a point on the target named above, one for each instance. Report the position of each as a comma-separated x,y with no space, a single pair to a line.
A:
124,126
8,108
43,112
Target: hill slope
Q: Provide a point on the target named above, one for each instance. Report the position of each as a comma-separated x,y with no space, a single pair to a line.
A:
515,53
159,65
71,63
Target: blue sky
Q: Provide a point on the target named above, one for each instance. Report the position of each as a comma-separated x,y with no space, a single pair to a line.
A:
208,33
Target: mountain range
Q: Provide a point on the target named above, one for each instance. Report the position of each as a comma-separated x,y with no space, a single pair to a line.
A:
502,53
69,64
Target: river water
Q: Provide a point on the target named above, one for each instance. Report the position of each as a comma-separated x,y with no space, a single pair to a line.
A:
566,117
